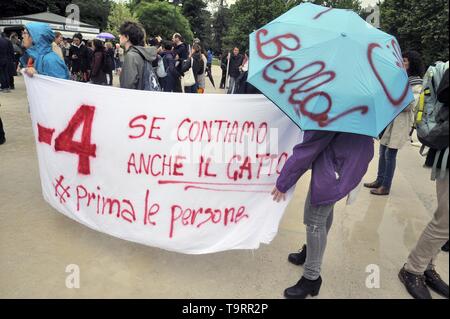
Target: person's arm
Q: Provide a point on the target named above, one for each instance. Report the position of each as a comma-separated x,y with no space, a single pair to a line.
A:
302,158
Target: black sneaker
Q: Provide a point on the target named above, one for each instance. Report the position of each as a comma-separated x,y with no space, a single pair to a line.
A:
2,140
415,284
298,258
445,247
303,288
435,282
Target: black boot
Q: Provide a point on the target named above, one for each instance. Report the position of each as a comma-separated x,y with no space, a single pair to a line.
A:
415,284
298,258
445,247
303,288
434,281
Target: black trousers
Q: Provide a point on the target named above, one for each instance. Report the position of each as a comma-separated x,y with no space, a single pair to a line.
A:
2,132
4,76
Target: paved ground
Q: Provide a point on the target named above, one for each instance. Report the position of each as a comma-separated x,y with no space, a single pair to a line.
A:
37,243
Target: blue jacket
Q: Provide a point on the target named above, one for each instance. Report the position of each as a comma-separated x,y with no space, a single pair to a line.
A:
46,62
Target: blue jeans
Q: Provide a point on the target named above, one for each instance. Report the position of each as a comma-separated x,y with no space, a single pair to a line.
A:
386,166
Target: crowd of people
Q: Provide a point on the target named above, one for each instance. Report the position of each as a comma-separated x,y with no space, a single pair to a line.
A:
174,66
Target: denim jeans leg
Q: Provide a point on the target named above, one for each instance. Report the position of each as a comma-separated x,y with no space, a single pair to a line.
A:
381,164
318,220
391,162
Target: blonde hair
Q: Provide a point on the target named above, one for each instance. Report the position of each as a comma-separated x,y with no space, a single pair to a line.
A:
108,45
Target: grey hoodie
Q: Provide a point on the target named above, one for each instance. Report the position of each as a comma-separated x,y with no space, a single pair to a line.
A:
133,66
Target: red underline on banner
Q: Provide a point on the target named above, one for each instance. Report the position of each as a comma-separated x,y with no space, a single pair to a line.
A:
215,184
223,190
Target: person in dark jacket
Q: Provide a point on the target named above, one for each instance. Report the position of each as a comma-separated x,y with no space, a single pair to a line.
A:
98,76
6,58
419,272
79,59
181,52
168,57
224,67
338,162
236,61
109,63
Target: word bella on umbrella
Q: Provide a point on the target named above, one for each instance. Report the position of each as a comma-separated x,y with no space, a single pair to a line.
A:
304,76
328,69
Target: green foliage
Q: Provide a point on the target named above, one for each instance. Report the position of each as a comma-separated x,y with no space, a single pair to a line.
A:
221,23
163,19
420,25
354,5
199,18
248,16
119,14
94,12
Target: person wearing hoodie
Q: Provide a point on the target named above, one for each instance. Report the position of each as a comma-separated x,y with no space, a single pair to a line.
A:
39,57
132,38
338,162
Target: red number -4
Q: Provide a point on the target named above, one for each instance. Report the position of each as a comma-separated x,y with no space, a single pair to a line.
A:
84,149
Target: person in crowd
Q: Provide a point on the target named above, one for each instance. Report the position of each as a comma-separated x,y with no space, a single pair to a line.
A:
79,59
109,67
39,57
201,79
4,65
396,135
224,66
9,71
323,152
195,65
65,47
419,273
181,54
118,58
98,75
236,61
56,45
168,57
209,56
132,38
18,51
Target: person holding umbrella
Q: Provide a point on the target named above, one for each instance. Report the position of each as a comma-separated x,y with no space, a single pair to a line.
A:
342,86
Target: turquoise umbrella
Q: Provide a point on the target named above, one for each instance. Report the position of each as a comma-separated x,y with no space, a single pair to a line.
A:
328,69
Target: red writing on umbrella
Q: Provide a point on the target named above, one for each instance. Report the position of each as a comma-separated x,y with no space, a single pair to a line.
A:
399,62
308,79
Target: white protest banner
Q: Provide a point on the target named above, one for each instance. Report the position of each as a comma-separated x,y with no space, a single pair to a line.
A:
188,173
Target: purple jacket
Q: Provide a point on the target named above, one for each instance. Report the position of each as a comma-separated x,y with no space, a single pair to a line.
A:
338,161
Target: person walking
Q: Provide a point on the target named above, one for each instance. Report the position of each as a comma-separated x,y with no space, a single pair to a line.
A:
168,57
196,65
396,135
6,58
